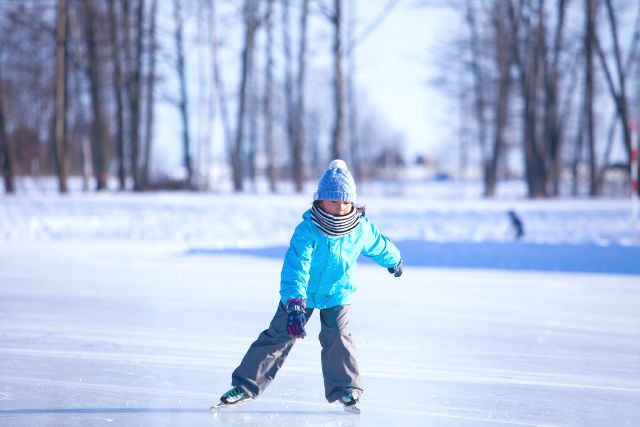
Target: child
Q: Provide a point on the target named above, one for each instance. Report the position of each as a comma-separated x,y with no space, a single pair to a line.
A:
318,273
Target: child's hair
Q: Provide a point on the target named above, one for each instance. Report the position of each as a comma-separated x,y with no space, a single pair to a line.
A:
360,209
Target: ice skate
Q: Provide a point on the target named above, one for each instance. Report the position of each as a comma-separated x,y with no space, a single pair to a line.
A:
350,401
232,397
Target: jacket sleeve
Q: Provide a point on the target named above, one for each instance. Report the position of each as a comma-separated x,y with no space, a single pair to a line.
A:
378,247
294,277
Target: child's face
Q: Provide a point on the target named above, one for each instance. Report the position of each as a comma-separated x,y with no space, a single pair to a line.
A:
336,207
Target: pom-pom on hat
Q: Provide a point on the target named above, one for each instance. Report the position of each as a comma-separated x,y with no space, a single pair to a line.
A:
336,183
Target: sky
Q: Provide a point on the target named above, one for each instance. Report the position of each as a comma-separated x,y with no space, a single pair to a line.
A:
396,67
395,64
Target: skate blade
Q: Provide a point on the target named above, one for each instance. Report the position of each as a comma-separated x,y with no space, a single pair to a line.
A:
220,405
353,409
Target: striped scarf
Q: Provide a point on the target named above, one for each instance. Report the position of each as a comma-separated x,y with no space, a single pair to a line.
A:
334,226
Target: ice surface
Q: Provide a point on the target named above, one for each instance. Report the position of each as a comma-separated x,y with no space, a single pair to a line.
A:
148,335
134,311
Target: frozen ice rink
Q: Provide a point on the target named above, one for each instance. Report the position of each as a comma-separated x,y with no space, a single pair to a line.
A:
99,334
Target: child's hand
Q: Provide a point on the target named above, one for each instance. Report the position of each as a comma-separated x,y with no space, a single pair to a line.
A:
397,270
296,318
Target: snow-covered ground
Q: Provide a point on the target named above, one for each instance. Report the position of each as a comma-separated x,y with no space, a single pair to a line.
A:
129,309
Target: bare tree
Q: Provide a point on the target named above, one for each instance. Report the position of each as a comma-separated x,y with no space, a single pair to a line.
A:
61,95
268,99
479,83
117,91
250,27
552,115
535,42
299,128
183,101
252,119
616,81
352,102
206,96
95,83
589,88
289,95
504,61
78,134
294,91
7,150
220,86
538,87
338,149
134,83
151,83
28,48
531,82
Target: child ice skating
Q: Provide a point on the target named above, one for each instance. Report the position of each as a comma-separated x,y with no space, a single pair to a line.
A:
317,273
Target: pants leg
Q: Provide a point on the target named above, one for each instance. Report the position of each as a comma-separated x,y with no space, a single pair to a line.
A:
265,356
339,366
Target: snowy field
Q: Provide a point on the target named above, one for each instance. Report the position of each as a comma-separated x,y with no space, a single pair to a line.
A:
134,310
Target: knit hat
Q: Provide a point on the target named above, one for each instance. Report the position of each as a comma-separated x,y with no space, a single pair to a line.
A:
336,183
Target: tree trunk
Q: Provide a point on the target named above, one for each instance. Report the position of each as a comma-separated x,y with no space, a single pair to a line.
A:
290,117
93,70
356,165
530,63
61,97
622,102
246,66
183,102
539,142
151,83
299,137
220,88
589,38
553,123
619,95
578,151
135,80
252,110
7,149
205,95
117,91
503,62
338,149
479,84
87,161
268,101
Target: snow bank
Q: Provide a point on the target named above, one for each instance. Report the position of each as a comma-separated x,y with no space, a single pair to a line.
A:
256,220
431,228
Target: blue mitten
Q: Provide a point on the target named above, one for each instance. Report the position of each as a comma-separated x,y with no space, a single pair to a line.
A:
296,318
396,270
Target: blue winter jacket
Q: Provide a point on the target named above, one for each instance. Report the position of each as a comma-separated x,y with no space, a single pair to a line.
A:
320,269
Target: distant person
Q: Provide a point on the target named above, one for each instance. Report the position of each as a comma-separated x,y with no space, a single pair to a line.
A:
318,272
516,224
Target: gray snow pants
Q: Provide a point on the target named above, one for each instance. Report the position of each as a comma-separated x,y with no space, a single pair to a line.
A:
268,353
